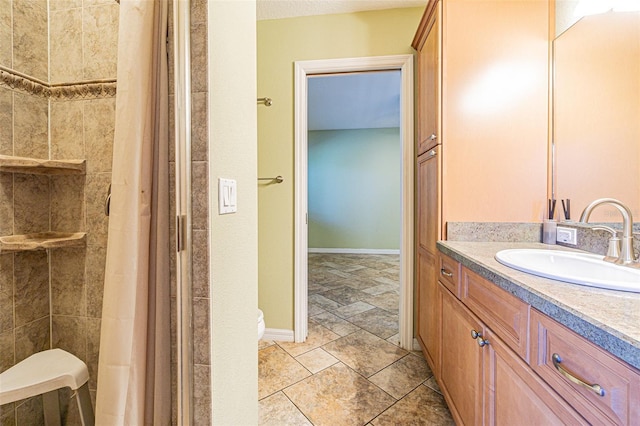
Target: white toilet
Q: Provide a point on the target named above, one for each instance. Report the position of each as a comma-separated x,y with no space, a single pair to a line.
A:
261,325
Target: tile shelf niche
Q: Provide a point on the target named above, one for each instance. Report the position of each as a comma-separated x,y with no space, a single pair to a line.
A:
41,241
36,166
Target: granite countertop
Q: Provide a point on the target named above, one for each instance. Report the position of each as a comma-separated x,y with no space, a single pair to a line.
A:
607,318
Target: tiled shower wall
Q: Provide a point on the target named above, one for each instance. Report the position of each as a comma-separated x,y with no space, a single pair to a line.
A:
53,298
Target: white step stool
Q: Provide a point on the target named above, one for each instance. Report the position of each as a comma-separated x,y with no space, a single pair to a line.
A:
44,373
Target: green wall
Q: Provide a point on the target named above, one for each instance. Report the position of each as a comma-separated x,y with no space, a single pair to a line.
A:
354,189
281,42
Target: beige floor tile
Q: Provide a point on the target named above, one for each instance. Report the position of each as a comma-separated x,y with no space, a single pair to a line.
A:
277,370
318,336
352,309
345,295
315,310
262,344
377,321
334,323
431,383
364,352
389,301
278,410
402,376
423,406
322,302
338,396
317,360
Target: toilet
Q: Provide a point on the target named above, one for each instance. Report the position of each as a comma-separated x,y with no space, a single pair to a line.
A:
261,325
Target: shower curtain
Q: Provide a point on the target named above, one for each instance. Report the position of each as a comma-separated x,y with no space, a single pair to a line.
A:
134,379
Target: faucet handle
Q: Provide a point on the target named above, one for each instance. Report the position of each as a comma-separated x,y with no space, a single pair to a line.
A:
613,252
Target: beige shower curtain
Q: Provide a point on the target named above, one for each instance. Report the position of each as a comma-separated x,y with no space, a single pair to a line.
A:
134,372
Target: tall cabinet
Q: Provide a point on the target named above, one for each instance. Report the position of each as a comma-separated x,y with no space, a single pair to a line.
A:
427,44
481,148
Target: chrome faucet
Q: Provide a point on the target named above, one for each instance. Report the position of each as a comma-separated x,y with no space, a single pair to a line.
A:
627,256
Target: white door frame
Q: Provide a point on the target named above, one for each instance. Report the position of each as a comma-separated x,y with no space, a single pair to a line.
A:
403,63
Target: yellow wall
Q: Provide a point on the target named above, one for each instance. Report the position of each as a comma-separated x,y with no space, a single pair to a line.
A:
233,237
280,43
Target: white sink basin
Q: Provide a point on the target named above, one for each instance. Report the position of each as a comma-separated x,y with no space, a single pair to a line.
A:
576,268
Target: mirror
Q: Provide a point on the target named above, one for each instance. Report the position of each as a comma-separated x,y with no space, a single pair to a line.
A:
596,118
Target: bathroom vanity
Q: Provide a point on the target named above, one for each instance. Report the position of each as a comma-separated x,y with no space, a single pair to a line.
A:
515,347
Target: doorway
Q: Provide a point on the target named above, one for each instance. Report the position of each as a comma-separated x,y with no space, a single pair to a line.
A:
310,69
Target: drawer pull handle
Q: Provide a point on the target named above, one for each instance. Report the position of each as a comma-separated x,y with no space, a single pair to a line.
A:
477,336
573,377
446,273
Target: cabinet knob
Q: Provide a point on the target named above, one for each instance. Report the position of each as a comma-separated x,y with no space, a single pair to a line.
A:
447,274
433,137
475,334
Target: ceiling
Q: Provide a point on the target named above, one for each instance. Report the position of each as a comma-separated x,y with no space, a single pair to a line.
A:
354,101
278,9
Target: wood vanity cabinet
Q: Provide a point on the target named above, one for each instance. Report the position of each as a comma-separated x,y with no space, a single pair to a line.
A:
496,362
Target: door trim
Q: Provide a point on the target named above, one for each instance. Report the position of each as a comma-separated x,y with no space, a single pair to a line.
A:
303,69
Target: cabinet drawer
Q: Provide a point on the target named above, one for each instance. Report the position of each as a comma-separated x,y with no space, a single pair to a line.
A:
449,273
594,366
502,312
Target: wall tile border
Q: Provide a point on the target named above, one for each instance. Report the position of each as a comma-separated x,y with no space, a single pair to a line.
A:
67,91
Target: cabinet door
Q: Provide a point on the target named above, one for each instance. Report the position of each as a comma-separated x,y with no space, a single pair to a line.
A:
461,360
428,216
514,394
428,308
428,85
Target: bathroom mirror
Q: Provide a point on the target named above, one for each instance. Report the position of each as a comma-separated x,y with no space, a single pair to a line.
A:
596,104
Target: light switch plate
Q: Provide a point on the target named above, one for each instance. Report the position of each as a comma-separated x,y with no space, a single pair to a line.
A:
227,196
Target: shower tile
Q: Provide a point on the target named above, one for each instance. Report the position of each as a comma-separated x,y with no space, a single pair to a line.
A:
200,264
31,271
30,35
66,130
100,40
99,125
6,117
198,11
6,204
64,4
31,203
7,350
199,129
6,293
8,414
94,272
199,57
96,189
201,336
32,337
67,203
93,349
30,412
70,334
6,31
65,59
199,194
89,3
201,395
30,126
67,281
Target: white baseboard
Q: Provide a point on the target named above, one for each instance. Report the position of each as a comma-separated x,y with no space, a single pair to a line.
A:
278,334
354,251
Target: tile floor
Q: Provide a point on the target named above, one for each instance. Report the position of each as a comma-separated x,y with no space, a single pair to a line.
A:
350,371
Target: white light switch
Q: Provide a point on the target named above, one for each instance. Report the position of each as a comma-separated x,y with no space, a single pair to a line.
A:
227,196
